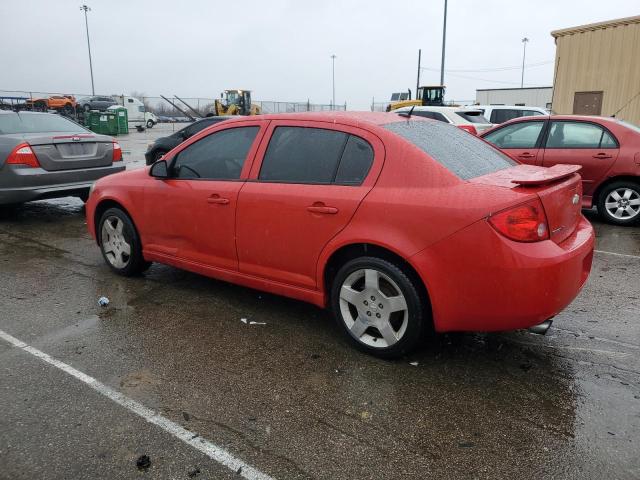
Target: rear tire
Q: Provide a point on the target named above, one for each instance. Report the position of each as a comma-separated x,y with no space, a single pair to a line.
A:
619,203
120,243
379,307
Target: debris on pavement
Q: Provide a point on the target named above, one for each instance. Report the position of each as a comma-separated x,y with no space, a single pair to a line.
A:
143,462
415,364
186,416
245,321
194,473
103,301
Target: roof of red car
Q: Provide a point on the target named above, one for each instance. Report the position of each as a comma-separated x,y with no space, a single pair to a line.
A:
349,118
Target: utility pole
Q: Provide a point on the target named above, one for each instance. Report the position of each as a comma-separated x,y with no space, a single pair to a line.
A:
444,41
524,54
418,81
86,24
333,80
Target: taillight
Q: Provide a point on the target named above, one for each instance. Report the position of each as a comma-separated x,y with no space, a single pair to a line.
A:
524,223
469,128
23,155
117,152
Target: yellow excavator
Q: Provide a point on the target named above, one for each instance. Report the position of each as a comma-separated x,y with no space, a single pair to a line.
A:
235,102
432,95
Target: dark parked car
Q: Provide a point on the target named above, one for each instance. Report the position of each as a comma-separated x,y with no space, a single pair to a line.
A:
96,103
162,145
44,155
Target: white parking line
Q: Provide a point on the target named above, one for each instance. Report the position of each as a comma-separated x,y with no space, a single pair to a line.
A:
211,450
617,254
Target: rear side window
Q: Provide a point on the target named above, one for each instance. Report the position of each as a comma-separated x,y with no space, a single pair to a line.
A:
502,115
461,153
432,115
316,156
473,117
355,163
578,135
516,135
219,156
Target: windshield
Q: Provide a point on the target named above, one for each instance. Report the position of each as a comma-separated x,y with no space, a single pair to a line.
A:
36,123
461,153
473,116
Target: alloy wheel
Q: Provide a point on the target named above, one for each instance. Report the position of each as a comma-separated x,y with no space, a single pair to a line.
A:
623,203
114,244
373,308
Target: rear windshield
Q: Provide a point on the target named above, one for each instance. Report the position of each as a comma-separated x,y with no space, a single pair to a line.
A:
36,123
460,152
473,117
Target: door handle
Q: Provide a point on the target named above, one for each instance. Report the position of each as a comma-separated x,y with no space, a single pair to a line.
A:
602,155
526,155
322,209
217,200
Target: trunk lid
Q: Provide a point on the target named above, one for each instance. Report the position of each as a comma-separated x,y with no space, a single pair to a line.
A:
66,151
559,190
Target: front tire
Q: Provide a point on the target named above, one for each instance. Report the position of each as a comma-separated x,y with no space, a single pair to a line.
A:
379,307
120,243
150,124
619,203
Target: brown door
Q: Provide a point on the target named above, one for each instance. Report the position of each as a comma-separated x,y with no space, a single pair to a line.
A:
587,103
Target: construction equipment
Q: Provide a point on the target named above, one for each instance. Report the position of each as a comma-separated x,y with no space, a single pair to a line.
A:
432,96
235,102
186,114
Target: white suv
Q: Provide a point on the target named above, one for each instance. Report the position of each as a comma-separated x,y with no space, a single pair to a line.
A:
502,113
466,118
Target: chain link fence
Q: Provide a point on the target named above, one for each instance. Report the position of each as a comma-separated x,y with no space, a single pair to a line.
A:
192,106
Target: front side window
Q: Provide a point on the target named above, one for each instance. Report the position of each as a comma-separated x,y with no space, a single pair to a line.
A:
517,135
219,156
578,135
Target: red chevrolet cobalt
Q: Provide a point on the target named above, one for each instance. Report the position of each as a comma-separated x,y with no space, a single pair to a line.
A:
401,225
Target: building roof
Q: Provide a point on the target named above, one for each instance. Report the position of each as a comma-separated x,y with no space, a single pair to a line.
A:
512,88
596,26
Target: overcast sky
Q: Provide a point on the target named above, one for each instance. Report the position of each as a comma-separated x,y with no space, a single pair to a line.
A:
281,49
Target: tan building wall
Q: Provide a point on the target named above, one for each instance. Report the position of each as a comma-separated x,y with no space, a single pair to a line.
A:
601,57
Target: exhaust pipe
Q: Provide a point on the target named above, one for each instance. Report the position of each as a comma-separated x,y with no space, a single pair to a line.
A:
542,328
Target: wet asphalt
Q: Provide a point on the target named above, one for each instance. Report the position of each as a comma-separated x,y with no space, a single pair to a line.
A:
291,397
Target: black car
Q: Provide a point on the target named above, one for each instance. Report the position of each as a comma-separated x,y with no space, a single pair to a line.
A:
162,145
96,103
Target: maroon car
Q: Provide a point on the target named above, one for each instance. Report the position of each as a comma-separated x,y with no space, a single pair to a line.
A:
608,150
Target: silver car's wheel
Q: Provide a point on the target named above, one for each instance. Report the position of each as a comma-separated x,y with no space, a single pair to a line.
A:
116,249
623,204
373,308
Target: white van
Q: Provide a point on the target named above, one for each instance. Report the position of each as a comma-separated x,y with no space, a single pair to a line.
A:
502,113
139,118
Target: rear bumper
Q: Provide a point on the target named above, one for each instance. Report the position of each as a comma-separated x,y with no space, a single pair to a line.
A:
18,185
480,281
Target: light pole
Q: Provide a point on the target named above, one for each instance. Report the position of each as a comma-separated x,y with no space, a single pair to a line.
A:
444,41
333,81
86,24
524,54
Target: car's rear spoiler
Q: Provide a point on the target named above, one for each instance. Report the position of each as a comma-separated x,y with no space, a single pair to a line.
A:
547,175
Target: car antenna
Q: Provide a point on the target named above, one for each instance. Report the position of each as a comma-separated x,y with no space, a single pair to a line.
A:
409,113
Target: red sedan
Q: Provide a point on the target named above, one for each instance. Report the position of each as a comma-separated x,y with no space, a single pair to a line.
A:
607,149
401,225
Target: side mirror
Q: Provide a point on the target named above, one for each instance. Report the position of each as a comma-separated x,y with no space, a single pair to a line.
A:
159,169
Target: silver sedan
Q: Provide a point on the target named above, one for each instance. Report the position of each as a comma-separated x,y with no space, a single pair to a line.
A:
45,155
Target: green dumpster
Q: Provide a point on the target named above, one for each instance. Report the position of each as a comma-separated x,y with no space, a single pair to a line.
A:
107,123
93,120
